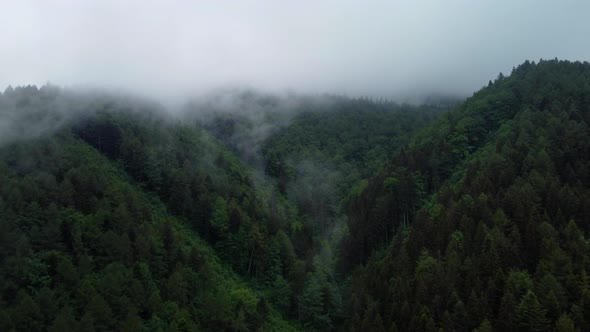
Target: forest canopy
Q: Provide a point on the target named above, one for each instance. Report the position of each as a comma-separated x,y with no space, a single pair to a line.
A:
317,213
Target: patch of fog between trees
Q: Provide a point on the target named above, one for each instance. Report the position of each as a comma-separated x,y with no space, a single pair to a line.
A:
245,119
29,112
314,189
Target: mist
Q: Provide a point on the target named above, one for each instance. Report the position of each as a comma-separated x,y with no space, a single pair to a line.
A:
391,49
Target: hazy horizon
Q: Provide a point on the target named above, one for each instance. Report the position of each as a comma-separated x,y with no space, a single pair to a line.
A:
386,49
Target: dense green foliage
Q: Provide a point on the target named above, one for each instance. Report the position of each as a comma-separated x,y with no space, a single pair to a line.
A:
102,226
327,148
483,219
313,149
316,148
278,213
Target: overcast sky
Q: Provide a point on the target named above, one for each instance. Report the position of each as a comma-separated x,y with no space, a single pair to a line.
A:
380,48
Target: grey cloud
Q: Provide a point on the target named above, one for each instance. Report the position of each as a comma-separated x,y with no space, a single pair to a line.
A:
381,48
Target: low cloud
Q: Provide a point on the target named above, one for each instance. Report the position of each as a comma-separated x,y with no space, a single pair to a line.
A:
392,49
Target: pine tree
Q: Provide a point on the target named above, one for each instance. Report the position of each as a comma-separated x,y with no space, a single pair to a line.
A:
530,315
65,321
485,326
564,324
27,315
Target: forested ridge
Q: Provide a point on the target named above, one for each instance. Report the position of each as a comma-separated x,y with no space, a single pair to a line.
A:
316,149
486,212
125,220
275,213
312,150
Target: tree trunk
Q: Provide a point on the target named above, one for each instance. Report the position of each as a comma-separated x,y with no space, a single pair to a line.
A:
251,256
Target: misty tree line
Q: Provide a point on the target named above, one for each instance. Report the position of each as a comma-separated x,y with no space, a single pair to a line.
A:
497,194
338,214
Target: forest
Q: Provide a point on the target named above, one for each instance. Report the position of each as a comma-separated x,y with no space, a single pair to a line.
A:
251,211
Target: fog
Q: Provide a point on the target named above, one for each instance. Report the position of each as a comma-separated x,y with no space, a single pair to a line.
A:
392,49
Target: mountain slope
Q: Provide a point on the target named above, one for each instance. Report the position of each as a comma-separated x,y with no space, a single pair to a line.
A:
314,147
325,149
117,218
488,212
